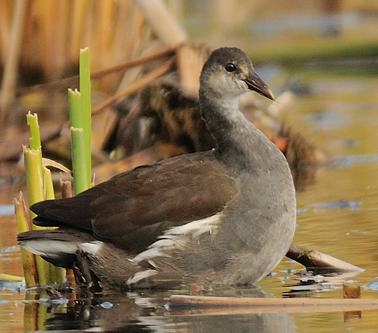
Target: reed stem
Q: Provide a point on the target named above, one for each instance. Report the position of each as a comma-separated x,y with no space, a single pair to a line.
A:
34,176
23,224
35,138
80,151
79,168
56,274
48,184
35,186
86,110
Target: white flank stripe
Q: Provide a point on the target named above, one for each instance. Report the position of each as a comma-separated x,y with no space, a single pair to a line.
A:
177,237
91,247
49,247
140,276
196,228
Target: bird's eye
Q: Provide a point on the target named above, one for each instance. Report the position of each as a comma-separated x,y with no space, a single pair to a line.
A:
230,67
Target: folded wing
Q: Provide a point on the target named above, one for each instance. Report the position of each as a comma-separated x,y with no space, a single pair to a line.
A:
132,209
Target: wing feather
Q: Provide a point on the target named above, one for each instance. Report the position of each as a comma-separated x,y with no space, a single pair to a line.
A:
135,207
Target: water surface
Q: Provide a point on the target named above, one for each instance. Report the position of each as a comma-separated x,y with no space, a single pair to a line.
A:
337,214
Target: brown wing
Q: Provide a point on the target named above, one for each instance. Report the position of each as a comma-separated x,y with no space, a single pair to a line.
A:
135,207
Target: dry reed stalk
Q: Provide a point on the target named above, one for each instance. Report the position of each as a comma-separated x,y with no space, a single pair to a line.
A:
10,70
190,59
62,20
66,188
117,50
45,12
125,46
120,47
31,55
102,33
78,23
119,32
65,83
313,259
137,38
136,45
101,39
351,291
136,86
46,162
5,14
161,21
232,305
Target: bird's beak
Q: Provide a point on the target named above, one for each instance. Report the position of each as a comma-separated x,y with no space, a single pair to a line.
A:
254,82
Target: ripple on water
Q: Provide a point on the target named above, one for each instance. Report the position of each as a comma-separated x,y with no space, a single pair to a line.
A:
350,160
373,285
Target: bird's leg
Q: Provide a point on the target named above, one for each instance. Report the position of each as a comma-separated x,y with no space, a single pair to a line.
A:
84,275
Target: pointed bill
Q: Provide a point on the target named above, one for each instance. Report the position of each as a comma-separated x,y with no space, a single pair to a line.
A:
255,83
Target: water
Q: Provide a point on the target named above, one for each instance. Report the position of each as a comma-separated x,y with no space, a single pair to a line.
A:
337,214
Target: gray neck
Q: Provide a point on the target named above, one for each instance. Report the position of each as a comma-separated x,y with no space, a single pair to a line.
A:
236,138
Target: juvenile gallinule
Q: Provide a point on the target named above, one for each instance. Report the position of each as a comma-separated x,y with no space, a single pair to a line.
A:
225,216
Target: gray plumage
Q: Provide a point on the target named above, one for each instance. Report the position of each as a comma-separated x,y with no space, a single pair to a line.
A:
225,216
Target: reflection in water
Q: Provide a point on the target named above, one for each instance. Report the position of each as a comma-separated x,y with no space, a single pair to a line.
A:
309,284
121,314
256,323
121,317
133,313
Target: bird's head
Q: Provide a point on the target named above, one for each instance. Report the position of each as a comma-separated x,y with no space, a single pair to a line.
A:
229,72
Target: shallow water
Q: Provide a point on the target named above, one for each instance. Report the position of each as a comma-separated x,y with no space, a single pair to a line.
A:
337,214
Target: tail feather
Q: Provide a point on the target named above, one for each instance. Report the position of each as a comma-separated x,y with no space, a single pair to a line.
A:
63,212
55,246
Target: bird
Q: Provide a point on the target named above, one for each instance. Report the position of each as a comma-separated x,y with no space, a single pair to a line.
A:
222,217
